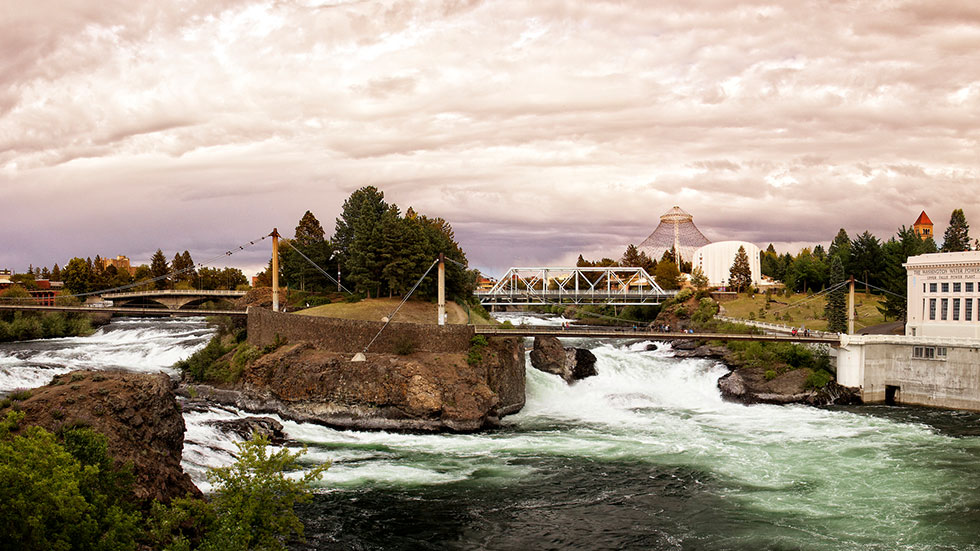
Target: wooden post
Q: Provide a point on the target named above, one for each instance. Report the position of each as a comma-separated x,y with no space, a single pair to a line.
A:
275,269
442,289
850,309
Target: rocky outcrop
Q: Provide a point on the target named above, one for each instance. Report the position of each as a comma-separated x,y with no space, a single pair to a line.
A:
571,364
749,386
246,427
417,392
137,412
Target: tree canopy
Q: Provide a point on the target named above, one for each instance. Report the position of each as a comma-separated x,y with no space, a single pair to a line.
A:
957,236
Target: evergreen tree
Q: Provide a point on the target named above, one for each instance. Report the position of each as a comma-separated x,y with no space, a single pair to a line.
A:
740,274
957,236
841,248
159,268
357,238
667,276
894,277
698,279
56,273
867,261
309,239
45,273
836,308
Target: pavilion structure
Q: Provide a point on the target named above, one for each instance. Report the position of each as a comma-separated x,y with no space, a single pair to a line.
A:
676,231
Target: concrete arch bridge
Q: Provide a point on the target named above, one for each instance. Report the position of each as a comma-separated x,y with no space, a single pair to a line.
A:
171,300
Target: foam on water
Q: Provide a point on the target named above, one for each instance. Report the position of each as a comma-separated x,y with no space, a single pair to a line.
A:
814,478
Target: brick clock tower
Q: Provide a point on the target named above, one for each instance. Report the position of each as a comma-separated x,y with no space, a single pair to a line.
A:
923,226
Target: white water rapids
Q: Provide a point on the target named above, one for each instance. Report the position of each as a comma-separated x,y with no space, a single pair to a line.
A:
778,477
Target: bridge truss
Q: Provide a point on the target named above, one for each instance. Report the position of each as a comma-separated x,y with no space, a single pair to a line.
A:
621,286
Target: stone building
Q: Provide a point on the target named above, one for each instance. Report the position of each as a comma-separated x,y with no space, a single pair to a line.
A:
944,295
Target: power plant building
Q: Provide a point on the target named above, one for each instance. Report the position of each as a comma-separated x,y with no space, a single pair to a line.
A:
676,231
944,295
716,260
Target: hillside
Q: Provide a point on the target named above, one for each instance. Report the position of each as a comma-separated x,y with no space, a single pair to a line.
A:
413,311
801,310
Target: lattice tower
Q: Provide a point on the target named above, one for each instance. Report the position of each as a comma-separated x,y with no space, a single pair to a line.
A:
677,230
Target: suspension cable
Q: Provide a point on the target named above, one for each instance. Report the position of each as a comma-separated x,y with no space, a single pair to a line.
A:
392,315
314,264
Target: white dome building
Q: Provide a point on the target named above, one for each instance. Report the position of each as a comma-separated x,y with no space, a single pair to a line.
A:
716,260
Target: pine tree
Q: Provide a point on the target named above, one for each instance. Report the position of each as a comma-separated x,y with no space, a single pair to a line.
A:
56,273
667,276
894,277
957,236
841,248
159,268
698,279
836,308
740,274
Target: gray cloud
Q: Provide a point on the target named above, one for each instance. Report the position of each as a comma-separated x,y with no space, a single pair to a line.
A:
540,130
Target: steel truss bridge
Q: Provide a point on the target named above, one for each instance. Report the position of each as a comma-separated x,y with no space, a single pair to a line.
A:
620,286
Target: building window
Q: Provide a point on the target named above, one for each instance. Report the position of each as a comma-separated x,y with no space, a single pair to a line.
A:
968,310
945,287
944,309
956,287
932,287
932,309
917,352
940,351
928,352
956,309
969,286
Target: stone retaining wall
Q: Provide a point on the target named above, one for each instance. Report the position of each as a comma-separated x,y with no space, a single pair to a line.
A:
351,336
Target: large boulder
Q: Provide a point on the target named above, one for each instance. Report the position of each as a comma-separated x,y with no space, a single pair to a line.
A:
749,385
137,412
571,364
416,392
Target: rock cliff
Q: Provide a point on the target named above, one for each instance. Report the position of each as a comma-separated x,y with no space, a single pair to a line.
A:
137,412
423,391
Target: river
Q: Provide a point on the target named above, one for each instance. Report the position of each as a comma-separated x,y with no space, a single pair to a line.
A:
646,455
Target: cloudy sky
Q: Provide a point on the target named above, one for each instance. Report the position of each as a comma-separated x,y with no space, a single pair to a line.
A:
539,129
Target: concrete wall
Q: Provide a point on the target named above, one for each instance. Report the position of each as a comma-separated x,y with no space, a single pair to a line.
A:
351,336
877,362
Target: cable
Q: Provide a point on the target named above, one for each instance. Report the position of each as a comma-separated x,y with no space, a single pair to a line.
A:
314,264
390,317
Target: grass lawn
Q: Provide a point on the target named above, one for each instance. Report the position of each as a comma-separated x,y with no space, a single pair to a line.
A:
413,311
802,310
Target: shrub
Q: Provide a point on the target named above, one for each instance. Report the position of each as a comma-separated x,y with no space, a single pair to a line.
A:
818,379
253,499
507,324
404,346
770,374
475,354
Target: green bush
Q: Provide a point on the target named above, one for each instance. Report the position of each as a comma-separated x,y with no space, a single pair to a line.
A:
66,495
507,324
477,344
770,374
818,379
63,492
404,346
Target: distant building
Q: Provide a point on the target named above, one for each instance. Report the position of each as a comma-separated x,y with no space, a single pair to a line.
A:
923,226
676,231
5,280
485,283
716,260
943,295
121,263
